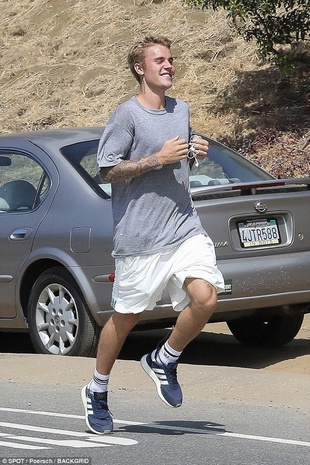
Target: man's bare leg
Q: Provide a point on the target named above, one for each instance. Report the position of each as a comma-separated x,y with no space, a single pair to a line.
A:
112,338
195,316
95,395
161,364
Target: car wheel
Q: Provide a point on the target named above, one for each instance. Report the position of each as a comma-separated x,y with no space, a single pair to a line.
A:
274,331
59,320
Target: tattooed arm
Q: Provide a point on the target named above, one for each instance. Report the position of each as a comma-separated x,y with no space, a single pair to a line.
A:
172,151
128,169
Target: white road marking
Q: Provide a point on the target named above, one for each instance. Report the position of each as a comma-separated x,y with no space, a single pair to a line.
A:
219,432
35,412
58,442
15,445
91,437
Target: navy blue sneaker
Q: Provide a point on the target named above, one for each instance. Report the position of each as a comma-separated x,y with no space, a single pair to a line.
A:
97,415
165,379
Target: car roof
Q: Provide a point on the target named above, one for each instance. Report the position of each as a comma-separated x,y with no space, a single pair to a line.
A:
56,137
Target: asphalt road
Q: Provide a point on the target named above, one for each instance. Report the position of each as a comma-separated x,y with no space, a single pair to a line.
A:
241,407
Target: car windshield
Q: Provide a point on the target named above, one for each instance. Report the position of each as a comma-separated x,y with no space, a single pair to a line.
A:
222,166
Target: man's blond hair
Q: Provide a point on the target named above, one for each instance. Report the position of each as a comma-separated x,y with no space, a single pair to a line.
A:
137,52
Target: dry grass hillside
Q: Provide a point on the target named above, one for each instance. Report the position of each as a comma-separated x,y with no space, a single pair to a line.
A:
63,63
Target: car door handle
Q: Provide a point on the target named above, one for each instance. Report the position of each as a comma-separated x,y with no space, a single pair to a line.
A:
20,233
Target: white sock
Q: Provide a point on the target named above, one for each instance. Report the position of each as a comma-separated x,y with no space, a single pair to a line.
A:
167,354
99,383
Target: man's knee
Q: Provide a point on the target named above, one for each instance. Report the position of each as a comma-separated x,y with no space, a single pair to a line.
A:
125,320
203,297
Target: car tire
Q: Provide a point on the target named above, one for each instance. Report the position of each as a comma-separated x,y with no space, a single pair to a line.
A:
59,320
274,331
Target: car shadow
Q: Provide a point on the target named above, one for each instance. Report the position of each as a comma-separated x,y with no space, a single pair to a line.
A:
16,343
216,349
209,348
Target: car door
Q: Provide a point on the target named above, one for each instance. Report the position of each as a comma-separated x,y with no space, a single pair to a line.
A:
24,185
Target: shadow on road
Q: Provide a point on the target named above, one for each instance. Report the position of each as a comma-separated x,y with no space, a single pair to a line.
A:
217,349
175,428
16,343
208,348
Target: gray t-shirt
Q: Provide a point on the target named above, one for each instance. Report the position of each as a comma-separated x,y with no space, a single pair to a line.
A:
152,212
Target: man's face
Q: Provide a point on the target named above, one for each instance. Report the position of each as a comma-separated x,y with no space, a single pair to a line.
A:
158,68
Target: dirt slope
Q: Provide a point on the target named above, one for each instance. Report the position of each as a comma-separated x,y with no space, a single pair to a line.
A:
63,63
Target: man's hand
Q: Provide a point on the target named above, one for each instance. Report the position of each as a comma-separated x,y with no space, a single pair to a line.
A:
201,147
172,151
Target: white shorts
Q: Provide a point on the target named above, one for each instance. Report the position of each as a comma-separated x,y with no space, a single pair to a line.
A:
140,280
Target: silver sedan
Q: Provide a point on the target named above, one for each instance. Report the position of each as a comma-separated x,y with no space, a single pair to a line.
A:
56,269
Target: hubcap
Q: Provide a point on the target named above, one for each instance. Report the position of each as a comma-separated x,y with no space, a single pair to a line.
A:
57,319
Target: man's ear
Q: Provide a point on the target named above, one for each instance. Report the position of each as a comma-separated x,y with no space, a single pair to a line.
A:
139,69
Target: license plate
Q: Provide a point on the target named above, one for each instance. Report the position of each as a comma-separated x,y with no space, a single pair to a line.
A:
258,233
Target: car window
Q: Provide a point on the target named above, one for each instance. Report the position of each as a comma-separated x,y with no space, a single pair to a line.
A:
83,156
222,166
23,182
